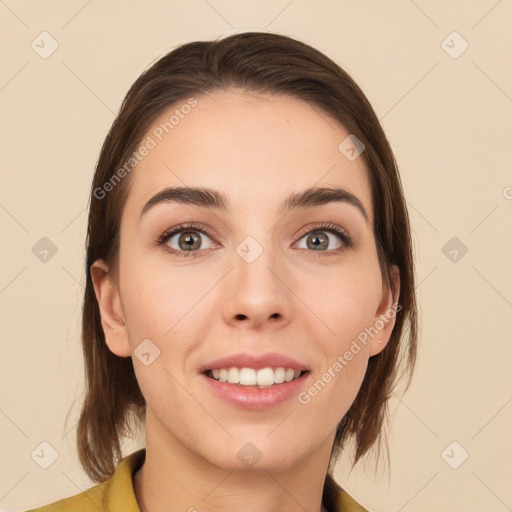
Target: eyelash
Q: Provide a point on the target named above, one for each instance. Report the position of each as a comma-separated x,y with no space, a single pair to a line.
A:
324,226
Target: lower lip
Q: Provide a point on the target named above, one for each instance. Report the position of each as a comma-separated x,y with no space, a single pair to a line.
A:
255,398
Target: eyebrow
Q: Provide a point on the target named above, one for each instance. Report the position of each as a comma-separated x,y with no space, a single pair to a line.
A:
208,198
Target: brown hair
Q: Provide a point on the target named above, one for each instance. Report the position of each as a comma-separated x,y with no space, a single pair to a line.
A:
253,61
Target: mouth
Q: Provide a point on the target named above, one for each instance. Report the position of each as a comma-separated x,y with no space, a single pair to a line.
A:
255,381
259,378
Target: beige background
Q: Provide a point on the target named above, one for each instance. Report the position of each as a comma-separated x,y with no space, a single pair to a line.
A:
449,121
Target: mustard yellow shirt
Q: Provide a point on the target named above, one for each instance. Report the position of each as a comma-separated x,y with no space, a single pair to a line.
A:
117,494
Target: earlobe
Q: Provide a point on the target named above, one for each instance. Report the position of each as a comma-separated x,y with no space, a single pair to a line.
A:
384,320
112,316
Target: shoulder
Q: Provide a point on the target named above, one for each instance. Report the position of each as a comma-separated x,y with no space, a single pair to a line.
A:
116,493
338,500
89,500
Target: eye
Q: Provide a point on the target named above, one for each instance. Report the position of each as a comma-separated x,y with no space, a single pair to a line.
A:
188,239
318,239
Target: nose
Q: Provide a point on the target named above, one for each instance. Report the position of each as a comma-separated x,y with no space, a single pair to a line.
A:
257,294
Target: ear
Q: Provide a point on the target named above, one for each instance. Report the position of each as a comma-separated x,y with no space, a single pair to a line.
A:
111,311
385,316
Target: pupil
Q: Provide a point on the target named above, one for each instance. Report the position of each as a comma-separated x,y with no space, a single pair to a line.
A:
319,240
188,241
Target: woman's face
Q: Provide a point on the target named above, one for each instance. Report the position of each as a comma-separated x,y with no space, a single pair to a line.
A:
255,284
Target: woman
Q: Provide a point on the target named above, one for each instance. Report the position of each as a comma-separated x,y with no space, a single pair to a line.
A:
249,283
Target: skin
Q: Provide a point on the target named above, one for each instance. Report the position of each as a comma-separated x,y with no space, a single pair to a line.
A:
256,149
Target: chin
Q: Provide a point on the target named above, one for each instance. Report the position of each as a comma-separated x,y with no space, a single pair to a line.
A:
258,455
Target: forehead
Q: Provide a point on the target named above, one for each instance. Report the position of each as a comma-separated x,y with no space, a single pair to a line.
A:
255,148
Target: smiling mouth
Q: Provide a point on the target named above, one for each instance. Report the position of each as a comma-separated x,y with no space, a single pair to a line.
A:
257,378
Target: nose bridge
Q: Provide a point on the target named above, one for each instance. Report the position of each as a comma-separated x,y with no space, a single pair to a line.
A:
255,258
255,238
256,289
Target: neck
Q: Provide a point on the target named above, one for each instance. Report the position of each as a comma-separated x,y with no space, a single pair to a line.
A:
173,477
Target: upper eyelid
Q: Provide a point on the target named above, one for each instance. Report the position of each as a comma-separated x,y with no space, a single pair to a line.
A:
195,226
340,230
183,226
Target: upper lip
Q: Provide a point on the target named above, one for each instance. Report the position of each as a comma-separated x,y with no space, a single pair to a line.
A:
256,361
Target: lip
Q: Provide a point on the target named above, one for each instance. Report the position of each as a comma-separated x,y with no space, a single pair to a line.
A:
252,397
246,360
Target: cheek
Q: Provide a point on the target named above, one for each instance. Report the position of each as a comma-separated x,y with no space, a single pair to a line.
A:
345,305
346,308
156,296
338,378
158,302
165,305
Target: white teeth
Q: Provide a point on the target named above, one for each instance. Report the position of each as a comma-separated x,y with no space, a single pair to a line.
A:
247,377
233,375
264,377
279,375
